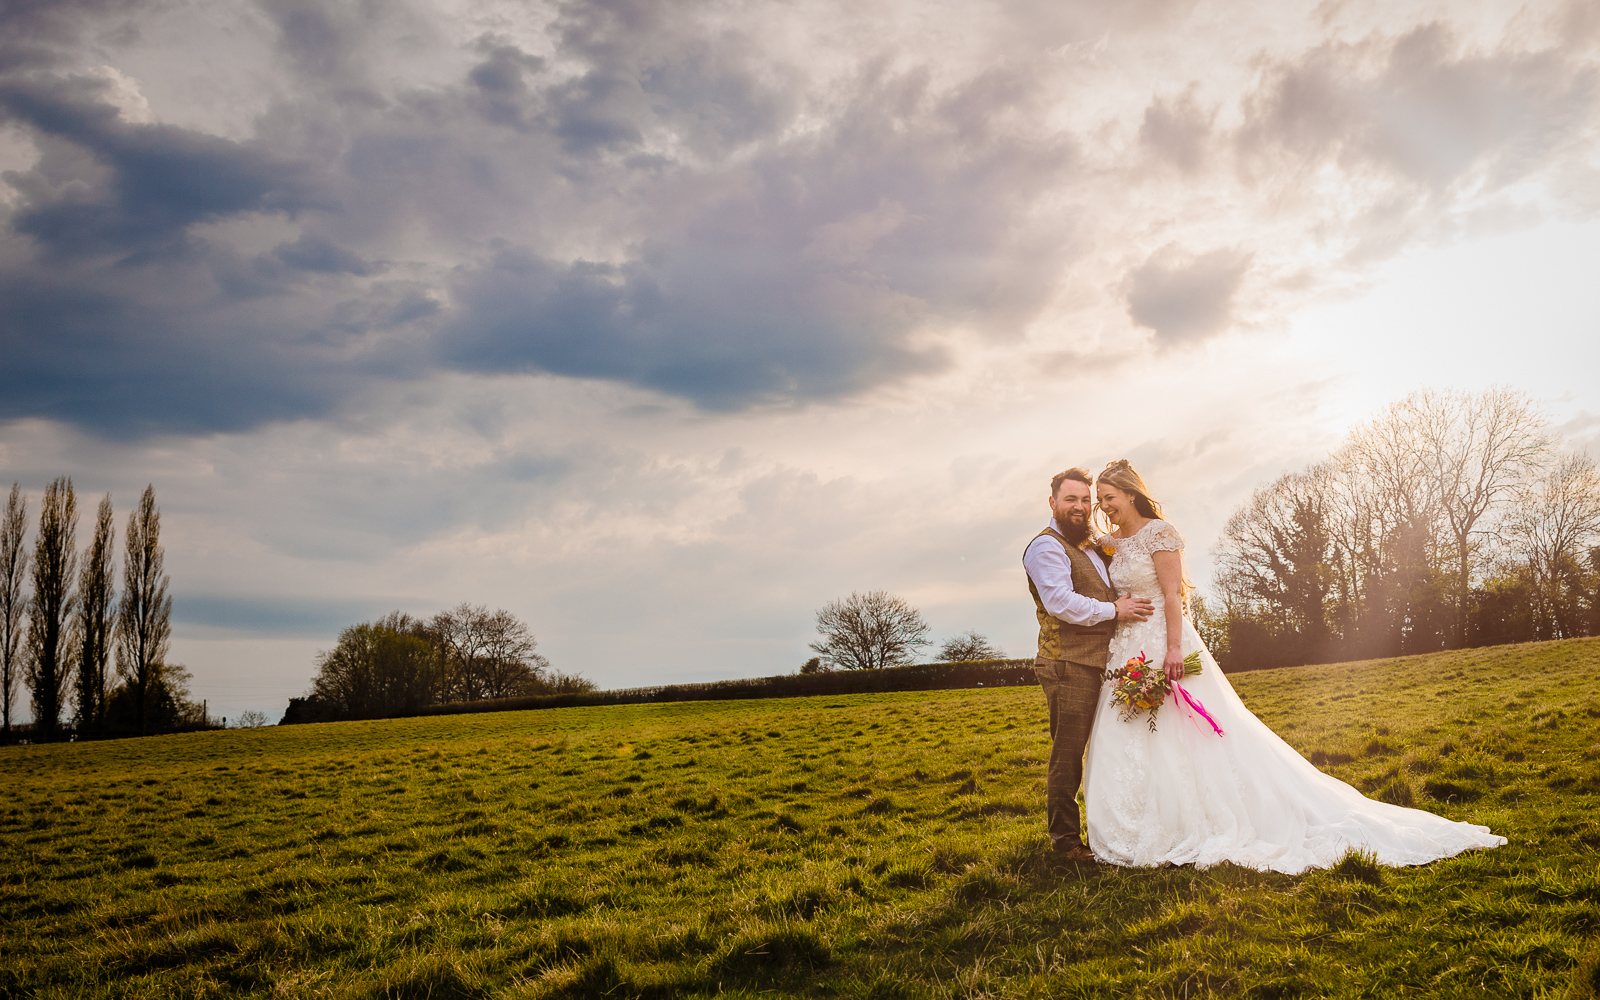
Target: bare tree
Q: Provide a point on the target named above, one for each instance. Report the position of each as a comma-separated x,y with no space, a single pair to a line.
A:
1390,546
1395,460
490,654
144,618
1286,580
55,558
1390,466
93,630
1553,520
13,606
968,646
1360,539
1483,448
869,631
511,667
463,642
251,719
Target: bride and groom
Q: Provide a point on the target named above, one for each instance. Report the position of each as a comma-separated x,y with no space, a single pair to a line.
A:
1177,793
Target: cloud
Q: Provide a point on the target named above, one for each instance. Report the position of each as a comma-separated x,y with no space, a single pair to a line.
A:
503,96
1182,296
302,617
36,34
314,253
655,204
124,316
731,205
153,182
716,324
1424,107
1178,131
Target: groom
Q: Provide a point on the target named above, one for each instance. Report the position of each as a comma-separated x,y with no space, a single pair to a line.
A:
1077,607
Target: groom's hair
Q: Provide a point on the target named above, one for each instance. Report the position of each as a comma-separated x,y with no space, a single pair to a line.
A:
1080,475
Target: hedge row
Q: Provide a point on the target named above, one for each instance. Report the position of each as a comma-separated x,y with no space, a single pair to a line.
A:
915,677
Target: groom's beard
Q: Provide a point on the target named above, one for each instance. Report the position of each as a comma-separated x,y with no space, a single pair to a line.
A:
1075,531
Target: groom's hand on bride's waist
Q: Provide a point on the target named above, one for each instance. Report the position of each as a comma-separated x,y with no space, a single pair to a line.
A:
1133,608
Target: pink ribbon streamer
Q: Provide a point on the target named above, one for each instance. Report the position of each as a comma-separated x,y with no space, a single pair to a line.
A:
1194,703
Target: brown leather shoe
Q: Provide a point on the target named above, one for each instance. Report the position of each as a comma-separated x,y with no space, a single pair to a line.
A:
1074,852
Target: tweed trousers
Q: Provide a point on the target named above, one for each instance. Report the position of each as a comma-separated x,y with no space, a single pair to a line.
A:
1072,692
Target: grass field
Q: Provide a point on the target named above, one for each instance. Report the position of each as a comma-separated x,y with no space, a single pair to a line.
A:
862,846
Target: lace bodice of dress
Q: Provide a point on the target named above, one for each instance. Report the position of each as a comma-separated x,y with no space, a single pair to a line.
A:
1132,569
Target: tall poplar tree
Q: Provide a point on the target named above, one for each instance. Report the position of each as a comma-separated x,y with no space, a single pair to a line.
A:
55,558
13,606
144,626
95,623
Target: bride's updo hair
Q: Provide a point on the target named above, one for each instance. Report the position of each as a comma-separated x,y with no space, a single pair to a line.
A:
1121,475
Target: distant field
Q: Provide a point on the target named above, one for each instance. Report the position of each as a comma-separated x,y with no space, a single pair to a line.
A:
858,846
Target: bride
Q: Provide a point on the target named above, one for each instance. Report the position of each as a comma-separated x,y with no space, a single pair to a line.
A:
1183,794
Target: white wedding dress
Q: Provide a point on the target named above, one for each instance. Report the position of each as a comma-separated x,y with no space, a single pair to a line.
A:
1184,795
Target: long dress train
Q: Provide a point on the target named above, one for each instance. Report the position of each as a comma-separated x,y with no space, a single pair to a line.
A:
1184,795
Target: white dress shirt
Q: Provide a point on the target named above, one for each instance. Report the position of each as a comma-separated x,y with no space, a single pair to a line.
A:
1050,569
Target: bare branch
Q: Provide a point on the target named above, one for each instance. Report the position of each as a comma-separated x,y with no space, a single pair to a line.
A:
870,631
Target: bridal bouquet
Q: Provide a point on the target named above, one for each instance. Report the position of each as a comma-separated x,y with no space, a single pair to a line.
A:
1142,686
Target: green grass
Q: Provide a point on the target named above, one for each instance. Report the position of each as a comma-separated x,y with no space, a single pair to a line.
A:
862,846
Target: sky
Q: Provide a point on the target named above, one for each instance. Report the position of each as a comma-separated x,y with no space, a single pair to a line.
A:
661,325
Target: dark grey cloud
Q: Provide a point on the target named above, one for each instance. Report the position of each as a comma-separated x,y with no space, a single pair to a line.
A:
714,324
119,316
318,39
154,181
275,616
806,278
749,261
501,93
314,253
713,91
121,361
37,34
1182,296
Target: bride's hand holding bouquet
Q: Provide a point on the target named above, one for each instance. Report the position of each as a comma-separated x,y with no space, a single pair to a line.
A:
1138,688
1176,664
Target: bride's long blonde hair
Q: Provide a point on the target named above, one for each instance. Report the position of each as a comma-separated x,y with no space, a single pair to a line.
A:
1122,475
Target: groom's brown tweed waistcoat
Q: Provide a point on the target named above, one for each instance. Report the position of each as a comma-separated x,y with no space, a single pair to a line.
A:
1059,640
1071,659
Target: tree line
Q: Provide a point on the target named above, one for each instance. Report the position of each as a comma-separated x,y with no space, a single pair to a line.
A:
62,623
400,664
1450,519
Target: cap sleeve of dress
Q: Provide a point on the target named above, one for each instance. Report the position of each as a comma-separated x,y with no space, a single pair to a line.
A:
1163,537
